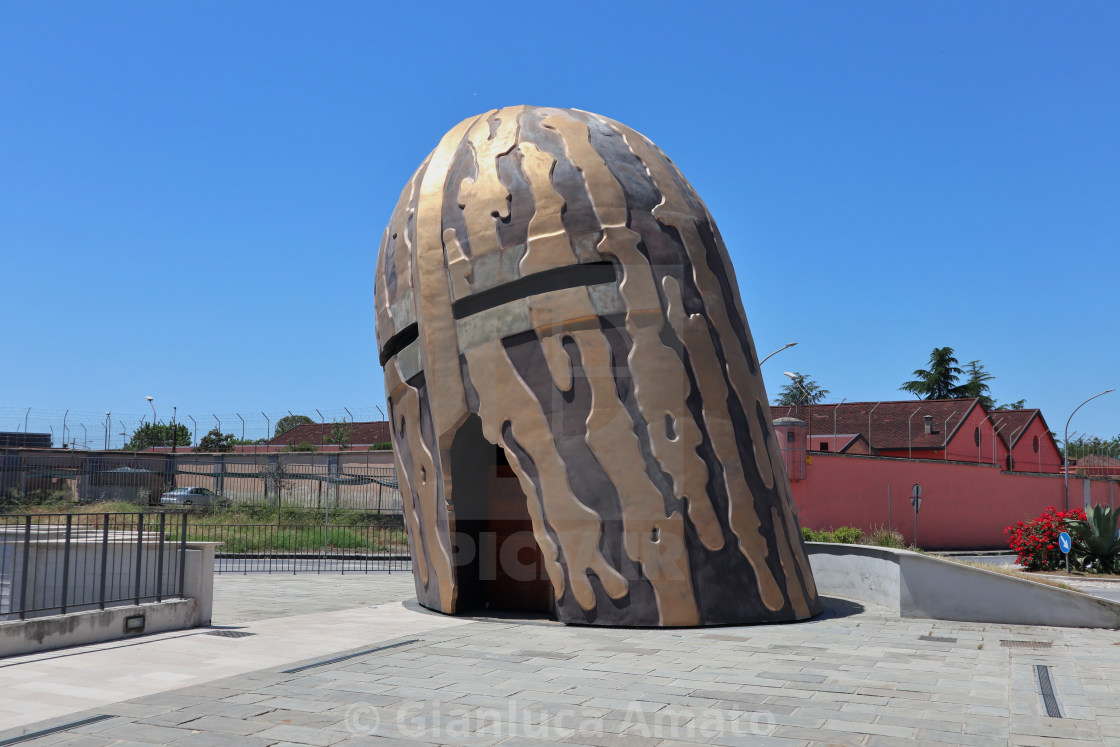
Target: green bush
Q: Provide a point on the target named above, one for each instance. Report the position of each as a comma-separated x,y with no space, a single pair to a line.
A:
848,536
1096,546
381,446
841,535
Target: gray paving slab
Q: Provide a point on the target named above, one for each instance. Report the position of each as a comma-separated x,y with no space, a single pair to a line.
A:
240,598
852,676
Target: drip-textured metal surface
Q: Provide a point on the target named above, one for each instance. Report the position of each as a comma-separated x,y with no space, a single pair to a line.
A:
630,407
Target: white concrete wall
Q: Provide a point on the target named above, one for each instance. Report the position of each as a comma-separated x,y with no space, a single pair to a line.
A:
866,574
921,586
96,626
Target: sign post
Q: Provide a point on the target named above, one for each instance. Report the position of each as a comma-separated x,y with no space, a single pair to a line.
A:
916,502
1065,544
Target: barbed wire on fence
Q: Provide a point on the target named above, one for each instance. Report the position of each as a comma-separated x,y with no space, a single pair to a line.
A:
348,480
92,430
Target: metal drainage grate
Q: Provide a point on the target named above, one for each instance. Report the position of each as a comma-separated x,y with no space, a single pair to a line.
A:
937,639
1027,644
229,633
53,730
1046,689
354,655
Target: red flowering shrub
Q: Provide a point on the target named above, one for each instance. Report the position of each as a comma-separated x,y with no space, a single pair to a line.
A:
1036,543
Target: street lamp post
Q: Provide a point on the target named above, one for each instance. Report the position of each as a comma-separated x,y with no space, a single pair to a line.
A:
1065,444
174,428
152,405
108,418
787,346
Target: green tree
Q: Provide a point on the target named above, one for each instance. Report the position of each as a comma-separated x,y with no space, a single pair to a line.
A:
215,440
939,381
158,434
801,391
341,434
1087,445
977,384
286,423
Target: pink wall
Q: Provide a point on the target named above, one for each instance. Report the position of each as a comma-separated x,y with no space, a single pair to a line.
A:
964,447
1046,459
964,506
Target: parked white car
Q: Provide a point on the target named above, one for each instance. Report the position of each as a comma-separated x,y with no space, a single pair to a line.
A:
191,497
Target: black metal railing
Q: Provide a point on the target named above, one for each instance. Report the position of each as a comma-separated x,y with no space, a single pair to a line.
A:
307,548
59,563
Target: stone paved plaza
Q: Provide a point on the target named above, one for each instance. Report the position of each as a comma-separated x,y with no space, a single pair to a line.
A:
854,676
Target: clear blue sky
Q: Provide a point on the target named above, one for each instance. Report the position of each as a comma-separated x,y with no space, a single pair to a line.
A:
192,194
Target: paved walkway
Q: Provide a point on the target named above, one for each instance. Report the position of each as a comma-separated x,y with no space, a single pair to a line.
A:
854,676
243,598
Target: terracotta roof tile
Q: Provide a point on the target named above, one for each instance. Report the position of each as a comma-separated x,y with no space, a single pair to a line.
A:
1016,420
891,424
314,433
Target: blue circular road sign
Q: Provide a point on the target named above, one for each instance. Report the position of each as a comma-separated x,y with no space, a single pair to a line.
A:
1064,542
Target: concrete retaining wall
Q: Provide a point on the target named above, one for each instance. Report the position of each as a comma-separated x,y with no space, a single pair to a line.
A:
920,586
96,626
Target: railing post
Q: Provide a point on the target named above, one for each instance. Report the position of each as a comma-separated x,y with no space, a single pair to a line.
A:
66,561
159,557
23,573
183,558
104,559
139,554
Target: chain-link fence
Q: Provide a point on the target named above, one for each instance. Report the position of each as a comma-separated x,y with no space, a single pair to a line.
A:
360,481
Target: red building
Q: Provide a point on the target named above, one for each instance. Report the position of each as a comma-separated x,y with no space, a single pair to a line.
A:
980,471
956,430
1028,440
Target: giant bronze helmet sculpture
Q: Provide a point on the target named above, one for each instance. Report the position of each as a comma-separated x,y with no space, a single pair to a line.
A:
551,293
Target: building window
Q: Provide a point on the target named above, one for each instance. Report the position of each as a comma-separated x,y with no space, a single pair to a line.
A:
824,445
790,438
976,435
1034,443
